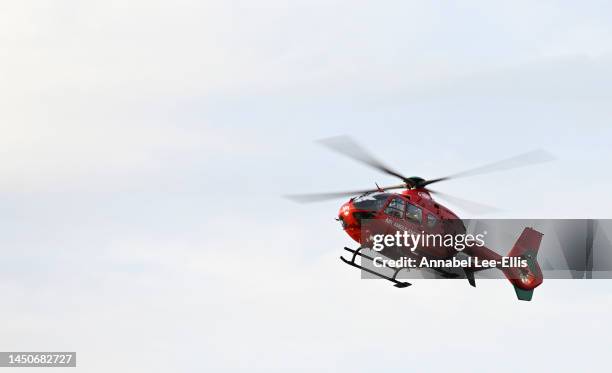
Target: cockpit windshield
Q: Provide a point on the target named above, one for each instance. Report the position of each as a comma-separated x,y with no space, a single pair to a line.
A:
371,202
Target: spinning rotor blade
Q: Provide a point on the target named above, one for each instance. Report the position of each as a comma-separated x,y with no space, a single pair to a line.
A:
349,148
318,197
468,206
521,160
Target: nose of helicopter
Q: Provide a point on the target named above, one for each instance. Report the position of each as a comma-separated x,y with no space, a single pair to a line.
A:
345,215
350,223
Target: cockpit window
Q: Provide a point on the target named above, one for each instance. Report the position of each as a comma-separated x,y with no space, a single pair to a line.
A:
371,202
396,208
414,213
431,221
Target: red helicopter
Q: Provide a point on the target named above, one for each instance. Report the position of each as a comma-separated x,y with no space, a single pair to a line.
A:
414,209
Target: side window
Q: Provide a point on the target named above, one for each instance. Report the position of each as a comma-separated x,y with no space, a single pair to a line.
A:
396,208
414,213
431,221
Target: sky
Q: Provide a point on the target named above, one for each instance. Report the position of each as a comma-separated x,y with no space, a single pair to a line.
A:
146,147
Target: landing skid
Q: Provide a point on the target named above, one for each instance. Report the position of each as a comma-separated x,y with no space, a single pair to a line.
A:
393,279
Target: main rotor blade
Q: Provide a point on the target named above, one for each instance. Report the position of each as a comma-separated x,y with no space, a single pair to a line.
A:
318,197
464,204
349,148
521,160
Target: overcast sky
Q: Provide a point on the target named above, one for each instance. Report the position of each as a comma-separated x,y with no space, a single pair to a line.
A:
145,147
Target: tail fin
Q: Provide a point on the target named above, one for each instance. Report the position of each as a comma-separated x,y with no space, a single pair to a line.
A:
525,279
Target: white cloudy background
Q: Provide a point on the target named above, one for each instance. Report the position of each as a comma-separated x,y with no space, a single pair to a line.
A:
145,146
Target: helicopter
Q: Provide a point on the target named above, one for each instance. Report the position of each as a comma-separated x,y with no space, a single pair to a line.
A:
414,209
